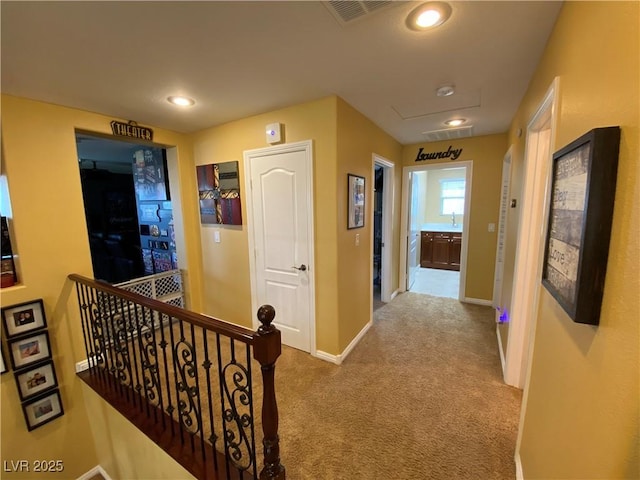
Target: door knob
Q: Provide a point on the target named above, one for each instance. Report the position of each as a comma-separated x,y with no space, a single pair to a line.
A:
302,267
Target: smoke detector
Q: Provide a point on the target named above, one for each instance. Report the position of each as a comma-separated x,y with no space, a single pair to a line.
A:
445,90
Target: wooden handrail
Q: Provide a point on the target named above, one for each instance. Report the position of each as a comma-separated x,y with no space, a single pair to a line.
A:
265,342
210,323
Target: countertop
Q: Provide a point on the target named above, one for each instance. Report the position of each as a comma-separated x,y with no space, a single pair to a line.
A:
440,227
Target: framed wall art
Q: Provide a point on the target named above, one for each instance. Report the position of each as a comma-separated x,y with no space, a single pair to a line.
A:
36,380
219,193
3,364
42,409
579,229
29,349
23,318
355,201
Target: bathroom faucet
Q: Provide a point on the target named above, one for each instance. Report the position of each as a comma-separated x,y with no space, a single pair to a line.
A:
453,219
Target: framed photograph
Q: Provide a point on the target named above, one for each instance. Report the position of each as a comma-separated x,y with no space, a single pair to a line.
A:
355,201
580,215
42,409
23,318
3,364
25,351
36,380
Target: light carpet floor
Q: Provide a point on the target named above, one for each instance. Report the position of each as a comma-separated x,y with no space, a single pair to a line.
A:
420,397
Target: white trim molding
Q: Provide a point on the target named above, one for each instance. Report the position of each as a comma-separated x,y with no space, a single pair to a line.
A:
82,365
338,359
519,472
93,472
478,301
500,348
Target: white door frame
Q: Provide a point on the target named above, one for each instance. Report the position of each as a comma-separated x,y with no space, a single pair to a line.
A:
465,230
305,146
532,229
387,222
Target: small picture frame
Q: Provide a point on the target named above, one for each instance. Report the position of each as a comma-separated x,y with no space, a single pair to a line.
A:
36,380
355,201
23,318
3,364
42,409
30,349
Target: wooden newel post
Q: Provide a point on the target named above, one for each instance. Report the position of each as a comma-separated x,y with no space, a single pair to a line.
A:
266,350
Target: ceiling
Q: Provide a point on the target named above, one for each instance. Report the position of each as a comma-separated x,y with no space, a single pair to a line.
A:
238,59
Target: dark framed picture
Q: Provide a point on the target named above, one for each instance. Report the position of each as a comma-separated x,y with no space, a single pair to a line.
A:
36,380
580,215
23,318
42,409
29,349
3,364
355,201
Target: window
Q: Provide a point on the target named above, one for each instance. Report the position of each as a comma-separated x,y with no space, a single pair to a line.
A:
452,196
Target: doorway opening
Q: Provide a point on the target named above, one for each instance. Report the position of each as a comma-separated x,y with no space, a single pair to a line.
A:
382,243
436,203
127,203
378,186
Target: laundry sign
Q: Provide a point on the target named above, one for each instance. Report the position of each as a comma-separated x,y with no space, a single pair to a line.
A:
452,153
131,130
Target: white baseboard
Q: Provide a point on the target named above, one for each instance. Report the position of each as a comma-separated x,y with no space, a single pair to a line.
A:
338,359
328,357
502,359
478,301
394,294
82,366
519,472
93,472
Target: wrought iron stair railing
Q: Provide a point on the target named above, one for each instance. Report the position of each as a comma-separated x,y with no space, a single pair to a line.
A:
185,379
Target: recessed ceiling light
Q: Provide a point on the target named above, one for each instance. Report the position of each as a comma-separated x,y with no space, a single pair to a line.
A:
445,90
456,122
428,15
181,101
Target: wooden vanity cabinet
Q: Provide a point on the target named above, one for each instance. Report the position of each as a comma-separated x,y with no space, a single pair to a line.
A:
440,250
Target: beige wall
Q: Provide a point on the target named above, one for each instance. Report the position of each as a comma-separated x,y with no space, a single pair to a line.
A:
343,141
50,237
580,415
227,285
487,153
358,140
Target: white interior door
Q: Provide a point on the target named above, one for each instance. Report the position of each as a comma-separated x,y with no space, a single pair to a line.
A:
413,233
281,238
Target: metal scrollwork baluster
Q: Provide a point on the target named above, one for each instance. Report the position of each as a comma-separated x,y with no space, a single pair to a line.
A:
121,357
97,332
150,375
237,408
186,386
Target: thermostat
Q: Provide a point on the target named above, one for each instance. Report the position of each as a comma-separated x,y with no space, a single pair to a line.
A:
273,133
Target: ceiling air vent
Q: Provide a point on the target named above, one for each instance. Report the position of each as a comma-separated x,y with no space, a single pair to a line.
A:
448,134
347,11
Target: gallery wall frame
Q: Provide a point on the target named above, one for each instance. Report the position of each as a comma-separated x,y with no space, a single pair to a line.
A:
579,225
355,201
42,409
29,349
36,380
3,363
23,318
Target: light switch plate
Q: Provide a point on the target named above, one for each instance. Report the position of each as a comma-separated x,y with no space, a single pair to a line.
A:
216,236
492,227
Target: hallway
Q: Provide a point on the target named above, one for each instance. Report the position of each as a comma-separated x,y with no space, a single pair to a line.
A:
420,397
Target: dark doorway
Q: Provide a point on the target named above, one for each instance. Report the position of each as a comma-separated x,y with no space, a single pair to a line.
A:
116,199
377,236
